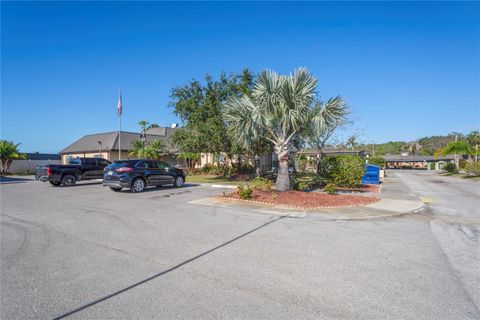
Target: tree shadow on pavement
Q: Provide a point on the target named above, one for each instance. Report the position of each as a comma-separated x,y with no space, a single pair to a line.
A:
116,293
7,180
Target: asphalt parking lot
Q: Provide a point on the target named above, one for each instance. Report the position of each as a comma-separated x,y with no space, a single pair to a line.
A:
88,253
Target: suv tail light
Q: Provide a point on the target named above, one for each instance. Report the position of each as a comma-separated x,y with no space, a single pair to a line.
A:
49,171
124,169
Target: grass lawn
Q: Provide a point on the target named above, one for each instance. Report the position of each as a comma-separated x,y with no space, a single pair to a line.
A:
214,179
461,176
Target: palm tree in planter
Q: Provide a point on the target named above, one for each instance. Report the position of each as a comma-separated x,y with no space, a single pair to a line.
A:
279,109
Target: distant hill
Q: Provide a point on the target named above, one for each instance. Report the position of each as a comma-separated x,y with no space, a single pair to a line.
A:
422,146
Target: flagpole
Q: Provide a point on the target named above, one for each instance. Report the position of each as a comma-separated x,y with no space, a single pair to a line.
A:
120,137
119,125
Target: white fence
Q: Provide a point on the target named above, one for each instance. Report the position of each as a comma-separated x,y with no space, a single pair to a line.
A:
25,166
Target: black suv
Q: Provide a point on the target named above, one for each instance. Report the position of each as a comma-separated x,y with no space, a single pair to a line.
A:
138,174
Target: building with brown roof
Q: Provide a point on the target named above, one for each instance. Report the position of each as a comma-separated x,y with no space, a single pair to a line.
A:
106,145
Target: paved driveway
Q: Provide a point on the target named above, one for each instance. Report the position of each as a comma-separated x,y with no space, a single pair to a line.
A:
85,252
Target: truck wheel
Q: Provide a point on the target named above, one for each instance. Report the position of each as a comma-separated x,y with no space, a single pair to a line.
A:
138,185
178,182
55,183
115,189
68,180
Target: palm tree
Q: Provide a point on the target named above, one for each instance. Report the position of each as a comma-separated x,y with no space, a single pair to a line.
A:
143,125
9,152
136,149
278,109
474,139
326,118
455,147
155,149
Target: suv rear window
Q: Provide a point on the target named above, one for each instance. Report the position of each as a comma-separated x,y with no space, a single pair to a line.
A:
103,162
122,163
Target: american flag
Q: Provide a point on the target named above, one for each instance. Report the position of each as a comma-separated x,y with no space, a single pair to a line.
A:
119,107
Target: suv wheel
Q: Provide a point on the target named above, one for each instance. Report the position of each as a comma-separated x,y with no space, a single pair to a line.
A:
138,185
68,180
178,182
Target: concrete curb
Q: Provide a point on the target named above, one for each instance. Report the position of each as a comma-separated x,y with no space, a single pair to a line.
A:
321,214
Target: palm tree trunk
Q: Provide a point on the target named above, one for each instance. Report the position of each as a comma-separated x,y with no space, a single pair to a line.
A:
9,162
283,177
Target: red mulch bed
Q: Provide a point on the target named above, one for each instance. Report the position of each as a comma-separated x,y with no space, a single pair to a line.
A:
306,200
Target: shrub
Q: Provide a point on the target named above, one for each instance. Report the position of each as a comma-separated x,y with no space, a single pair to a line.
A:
450,167
225,170
301,185
244,192
343,171
301,163
378,161
462,163
245,168
330,188
473,168
209,169
326,167
193,171
260,183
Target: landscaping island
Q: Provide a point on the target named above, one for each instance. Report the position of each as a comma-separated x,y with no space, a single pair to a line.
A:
303,200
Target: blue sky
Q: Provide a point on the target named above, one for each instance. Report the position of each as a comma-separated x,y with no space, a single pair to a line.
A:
408,69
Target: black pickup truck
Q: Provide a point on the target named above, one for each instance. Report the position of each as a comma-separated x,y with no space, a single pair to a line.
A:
68,174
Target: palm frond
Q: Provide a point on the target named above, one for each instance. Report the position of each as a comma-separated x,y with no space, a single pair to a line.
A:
330,114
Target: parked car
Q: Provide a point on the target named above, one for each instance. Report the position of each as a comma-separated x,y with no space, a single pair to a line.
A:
68,174
138,174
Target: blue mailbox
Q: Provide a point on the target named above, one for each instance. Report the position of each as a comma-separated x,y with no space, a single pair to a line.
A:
372,174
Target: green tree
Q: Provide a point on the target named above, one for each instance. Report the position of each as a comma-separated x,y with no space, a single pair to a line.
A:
191,158
279,109
199,105
9,152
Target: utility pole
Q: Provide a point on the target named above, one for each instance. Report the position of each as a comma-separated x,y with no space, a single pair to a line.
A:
456,159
